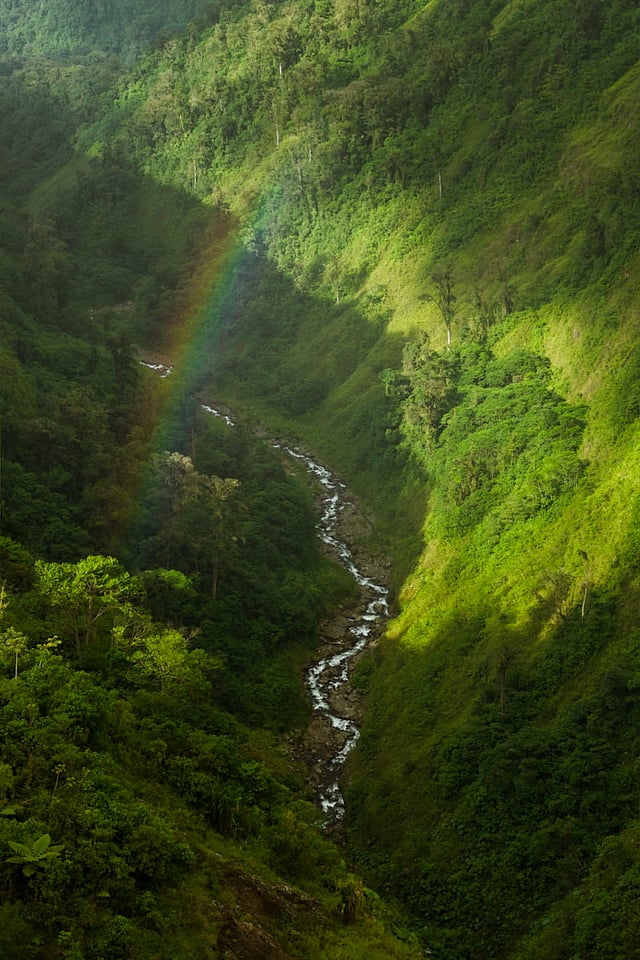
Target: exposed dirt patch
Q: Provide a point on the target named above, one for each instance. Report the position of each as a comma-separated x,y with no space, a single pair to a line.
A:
245,927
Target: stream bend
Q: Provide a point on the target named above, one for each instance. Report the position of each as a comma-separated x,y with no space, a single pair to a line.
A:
328,679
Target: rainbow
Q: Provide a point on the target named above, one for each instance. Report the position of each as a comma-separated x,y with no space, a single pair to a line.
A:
186,350
191,333
194,334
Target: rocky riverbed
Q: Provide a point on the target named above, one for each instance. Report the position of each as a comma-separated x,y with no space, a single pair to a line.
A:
334,728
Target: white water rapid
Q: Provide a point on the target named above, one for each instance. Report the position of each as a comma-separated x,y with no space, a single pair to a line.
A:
330,675
328,678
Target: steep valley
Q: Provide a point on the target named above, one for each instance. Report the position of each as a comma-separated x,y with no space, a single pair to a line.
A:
405,237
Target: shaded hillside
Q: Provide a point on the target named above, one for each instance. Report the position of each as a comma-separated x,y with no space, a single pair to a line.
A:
160,590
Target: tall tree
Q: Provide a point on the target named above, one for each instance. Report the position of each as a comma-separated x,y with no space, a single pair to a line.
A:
85,592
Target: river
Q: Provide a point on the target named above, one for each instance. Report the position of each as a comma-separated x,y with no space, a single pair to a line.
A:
334,730
328,679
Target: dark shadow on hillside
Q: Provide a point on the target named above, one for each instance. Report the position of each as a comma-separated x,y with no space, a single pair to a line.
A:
310,369
508,754
112,258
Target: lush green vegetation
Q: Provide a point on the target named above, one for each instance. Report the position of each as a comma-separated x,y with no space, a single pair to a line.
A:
424,221
121,30
160,589
172,820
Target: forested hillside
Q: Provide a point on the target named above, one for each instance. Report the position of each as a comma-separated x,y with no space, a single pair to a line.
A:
407,234
72,30
160,581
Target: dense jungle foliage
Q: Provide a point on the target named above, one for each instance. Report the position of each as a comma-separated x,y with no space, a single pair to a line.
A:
409,234
117,29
